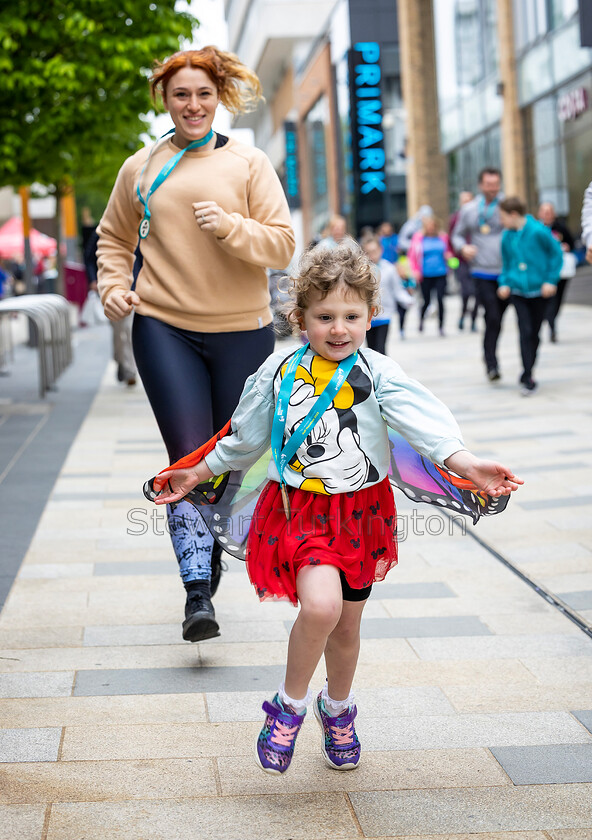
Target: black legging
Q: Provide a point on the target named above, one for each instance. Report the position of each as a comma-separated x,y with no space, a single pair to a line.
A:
376,338
428,284
531,314
193,382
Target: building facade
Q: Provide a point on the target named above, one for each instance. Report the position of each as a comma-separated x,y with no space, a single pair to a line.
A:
375,107
548,95
333,123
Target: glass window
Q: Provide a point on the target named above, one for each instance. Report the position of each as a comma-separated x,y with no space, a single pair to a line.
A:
317,126
473,114
562,10
531,21
469,47
490,38
451,134
569,58
534,73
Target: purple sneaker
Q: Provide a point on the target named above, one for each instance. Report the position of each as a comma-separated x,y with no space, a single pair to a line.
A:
340,744
275,744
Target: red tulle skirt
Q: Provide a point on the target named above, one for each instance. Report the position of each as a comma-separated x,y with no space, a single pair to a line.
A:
356,532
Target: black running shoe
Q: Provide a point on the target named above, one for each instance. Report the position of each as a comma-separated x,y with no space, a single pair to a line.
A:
200,619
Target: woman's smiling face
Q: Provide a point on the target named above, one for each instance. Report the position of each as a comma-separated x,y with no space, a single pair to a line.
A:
191,98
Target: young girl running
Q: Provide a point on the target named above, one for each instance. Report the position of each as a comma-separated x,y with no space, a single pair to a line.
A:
325,524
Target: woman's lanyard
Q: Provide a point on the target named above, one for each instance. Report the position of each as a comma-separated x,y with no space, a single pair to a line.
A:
486,214
283,455
164,173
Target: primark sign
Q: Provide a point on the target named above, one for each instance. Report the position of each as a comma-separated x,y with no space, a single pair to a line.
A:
367,131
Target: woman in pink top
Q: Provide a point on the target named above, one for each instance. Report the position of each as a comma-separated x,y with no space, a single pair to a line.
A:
428,255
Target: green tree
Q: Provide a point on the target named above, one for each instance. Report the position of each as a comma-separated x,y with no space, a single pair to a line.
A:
73,85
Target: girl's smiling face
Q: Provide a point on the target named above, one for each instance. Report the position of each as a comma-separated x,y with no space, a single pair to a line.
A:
336,325
191,98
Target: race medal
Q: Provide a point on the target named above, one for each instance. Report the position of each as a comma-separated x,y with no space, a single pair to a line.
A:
286,501
522,266
485,229
144,228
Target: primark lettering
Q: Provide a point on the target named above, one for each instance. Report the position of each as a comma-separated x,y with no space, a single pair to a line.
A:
368,110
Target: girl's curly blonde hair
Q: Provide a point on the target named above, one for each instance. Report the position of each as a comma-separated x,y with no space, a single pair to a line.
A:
238,87
322,269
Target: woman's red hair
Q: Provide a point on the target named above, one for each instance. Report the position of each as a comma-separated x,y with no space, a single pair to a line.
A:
238,87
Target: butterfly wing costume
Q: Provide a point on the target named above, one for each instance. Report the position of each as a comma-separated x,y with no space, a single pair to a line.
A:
227,501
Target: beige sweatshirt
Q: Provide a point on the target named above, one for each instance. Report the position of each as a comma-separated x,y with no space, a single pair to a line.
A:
194,279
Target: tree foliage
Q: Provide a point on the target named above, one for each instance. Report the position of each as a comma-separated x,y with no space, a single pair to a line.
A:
73,84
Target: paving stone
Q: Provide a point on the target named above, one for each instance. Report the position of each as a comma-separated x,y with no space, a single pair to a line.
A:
471,730
514,698
576,669
169,634
177,680
577,600
546,765
584,717
514,625
24,822
435,589
172,740
228,818
502,647
463,625
55,570
29,744
487,835
154,567
95,781
36,637
442,673
377,771
82,658
37,685
527,808
546,504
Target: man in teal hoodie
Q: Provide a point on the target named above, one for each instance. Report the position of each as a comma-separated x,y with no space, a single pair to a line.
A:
531,264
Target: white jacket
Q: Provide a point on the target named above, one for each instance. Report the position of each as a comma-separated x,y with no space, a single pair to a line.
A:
348,448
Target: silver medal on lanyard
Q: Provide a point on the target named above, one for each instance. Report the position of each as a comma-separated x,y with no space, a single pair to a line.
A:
166,170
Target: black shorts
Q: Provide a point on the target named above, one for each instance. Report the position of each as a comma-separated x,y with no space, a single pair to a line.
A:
350,594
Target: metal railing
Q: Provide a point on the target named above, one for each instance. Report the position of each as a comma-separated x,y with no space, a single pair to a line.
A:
50,316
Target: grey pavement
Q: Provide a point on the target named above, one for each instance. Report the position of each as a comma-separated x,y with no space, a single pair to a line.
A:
474,686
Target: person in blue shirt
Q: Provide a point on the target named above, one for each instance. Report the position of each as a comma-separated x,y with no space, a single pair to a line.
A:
531,264
428,256
389,241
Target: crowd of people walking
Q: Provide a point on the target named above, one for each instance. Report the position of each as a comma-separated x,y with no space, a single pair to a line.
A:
491,252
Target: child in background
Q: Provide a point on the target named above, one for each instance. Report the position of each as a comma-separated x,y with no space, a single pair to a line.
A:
428,255
531,264
392,295
325,525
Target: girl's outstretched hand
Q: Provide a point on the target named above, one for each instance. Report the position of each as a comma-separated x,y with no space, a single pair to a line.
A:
494,479
490,477
173,485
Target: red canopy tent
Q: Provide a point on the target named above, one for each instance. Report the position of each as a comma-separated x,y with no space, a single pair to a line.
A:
12,243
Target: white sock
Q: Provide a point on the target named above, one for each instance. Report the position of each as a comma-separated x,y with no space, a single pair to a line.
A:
336,707
299,706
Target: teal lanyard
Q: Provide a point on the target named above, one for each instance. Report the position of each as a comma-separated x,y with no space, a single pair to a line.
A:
164,173
282,456
485,216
